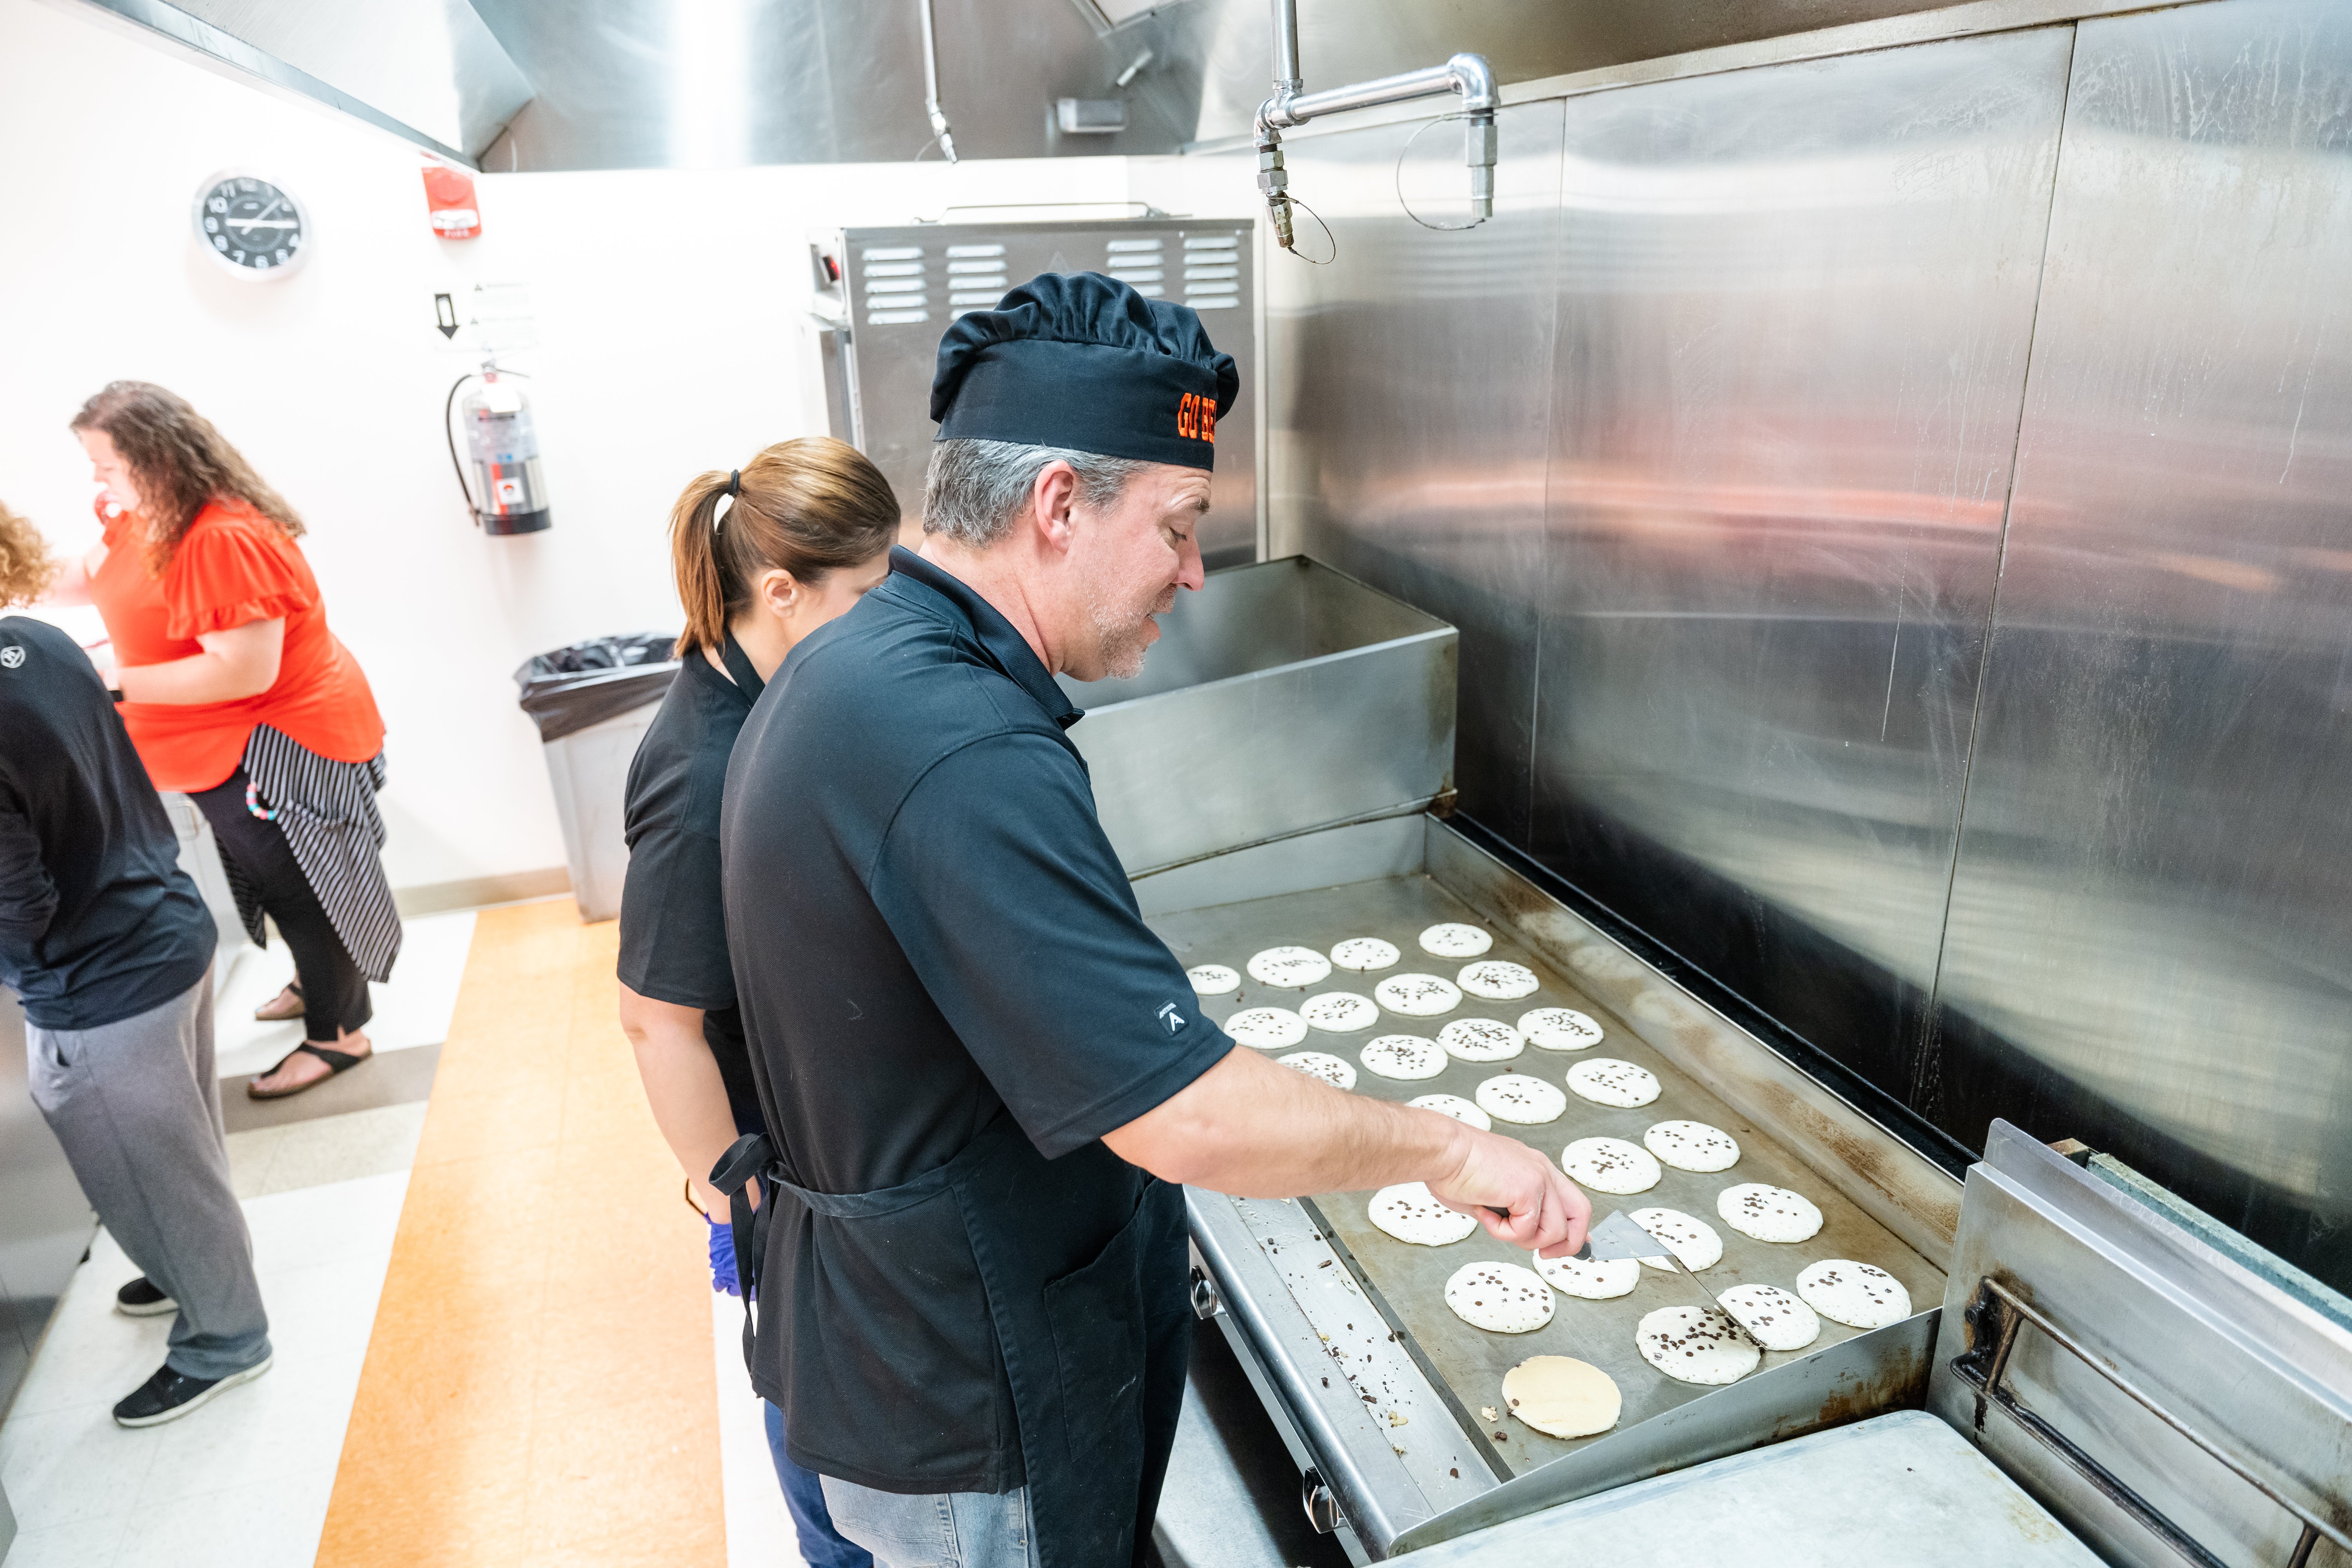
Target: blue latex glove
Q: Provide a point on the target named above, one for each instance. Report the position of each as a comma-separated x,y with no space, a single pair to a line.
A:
723,1259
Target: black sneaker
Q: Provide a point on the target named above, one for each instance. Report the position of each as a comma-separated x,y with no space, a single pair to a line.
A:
169,1394
141,1299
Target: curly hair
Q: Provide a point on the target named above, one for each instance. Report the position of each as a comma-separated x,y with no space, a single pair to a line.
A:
26,568
180,461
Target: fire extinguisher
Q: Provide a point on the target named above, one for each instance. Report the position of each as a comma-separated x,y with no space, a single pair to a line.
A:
504,444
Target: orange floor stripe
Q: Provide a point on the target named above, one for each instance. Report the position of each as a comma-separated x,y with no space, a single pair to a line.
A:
539,1386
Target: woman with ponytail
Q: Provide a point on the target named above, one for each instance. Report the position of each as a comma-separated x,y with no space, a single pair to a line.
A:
764,556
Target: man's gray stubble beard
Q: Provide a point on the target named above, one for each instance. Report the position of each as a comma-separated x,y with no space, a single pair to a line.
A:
1123,644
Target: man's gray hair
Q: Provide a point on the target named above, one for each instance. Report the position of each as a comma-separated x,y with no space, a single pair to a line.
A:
975,488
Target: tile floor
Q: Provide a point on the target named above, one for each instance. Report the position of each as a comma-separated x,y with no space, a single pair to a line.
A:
245,1480
503,1413
414,1009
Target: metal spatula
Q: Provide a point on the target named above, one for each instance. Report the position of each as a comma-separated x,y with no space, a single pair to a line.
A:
1620,1235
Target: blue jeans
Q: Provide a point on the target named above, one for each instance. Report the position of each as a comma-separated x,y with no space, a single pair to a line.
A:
942,1530
821,1545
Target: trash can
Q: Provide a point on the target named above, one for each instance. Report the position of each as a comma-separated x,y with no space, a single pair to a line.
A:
593,703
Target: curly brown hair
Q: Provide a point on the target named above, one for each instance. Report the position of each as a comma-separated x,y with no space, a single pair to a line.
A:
180,461
26,568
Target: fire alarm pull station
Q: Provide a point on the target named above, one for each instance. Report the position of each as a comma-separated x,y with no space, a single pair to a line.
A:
449,200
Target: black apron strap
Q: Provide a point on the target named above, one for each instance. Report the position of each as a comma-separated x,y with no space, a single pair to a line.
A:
739,666
747,1159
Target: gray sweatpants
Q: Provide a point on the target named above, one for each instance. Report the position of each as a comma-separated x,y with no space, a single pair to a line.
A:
138,1110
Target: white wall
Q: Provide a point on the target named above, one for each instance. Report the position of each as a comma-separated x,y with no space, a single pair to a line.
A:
671,308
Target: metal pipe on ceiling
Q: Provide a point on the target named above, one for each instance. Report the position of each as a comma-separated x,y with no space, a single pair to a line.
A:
1466,74
939,131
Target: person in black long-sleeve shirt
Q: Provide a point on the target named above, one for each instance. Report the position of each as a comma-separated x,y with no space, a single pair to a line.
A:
107,944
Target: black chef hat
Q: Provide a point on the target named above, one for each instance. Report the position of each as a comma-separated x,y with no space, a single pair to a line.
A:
1082,361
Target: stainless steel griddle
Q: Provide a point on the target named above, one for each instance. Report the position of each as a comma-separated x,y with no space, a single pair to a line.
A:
1406,1283
1381,1390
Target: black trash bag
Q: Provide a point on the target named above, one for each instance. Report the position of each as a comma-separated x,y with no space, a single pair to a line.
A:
588,682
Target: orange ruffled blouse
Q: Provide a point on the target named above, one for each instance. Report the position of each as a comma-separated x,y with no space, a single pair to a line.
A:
233,566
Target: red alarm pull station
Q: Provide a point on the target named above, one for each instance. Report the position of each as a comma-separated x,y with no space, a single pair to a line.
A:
450,198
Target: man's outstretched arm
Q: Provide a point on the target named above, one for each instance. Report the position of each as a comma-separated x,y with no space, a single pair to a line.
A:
1255,1129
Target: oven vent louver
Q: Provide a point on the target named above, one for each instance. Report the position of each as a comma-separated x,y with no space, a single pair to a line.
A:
1212,271
896,284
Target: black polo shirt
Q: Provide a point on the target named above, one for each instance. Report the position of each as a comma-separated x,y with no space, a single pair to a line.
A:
673,935
98,922
926,920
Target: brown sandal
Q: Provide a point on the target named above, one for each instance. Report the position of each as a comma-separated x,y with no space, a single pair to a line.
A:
337,1062
279,1008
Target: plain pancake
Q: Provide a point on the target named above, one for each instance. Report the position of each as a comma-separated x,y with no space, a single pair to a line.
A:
1268,1028
1500,1298
1410,1214
1561,1396
1522,1101
1498,980
1418,995
1402,1056
1696,1344
1480,1040
1590,1279
1608,1165
1340,1012
1213,978
1454,940
1854,1294
1767,1213
1456,1107
1690,1240
1365,952
1291,968
1774,1317
1559,1029
1322,1065
1605,1080
1692,1146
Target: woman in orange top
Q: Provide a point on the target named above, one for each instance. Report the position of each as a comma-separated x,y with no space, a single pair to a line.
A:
236,693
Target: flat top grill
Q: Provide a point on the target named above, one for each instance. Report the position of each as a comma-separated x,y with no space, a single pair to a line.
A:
1405,1283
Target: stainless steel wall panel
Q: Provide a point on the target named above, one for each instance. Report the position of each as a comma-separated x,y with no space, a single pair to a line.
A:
1406,436
1795,308
2150,944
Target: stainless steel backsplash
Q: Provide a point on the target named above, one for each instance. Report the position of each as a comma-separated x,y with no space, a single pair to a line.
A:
1898,511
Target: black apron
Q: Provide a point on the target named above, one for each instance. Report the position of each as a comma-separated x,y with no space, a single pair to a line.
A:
1082,1266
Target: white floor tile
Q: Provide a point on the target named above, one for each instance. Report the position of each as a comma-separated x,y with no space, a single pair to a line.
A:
412,1008
759,1531
74,1465
275,1426
92,1543
273,1524
327,1224
325,1309
242,1481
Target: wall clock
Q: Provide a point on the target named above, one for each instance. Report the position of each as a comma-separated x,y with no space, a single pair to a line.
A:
256,229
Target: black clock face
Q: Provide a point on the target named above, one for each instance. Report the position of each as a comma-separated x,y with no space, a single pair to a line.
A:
250,224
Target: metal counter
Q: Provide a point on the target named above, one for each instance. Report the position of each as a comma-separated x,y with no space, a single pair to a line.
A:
1265,664
1345,1329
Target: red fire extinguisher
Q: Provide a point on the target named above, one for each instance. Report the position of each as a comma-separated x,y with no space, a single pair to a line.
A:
449,200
